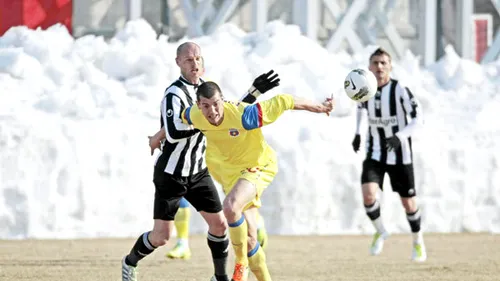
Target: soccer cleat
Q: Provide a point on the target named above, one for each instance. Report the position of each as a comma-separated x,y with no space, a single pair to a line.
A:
419,253
378,243
180,251
129,273
240,272
262,237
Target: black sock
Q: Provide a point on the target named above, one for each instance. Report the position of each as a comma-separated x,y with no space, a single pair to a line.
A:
414,220
373,210
219,245
141,249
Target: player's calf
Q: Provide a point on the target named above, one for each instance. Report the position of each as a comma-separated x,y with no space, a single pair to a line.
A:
373,212
413,216
219,246
149,241
218,242
141,249
257,263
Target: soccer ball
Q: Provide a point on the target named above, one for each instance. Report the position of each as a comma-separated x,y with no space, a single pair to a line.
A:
360,85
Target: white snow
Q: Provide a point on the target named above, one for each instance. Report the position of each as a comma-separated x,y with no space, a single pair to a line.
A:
75,116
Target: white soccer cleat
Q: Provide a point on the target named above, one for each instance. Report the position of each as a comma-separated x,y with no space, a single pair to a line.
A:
419,253
378,243
129,273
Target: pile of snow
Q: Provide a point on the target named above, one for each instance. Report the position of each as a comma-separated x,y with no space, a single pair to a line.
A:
75,115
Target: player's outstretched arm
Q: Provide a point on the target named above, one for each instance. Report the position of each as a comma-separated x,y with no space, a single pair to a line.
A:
266,112
304,104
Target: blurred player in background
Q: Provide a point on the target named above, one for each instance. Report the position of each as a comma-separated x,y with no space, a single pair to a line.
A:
244,163
389,150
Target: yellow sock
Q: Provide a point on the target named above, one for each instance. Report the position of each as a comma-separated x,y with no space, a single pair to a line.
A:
257,263
238,232
182,223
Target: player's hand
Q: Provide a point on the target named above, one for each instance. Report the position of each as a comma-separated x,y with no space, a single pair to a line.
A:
356,142
266,81
393,143
329,105
260,85
154,143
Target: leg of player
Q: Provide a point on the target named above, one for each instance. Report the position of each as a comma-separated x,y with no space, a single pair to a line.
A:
181,249
372,207
145,245
256,255
419,253
240,195
262,236
218,243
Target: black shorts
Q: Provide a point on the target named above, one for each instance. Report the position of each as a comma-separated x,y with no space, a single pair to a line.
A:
401,176
198,189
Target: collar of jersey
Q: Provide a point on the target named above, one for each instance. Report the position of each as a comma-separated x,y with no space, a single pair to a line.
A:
185,81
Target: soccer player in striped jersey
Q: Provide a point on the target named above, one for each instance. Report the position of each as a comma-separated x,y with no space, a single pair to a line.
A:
393,116
245,164
180,171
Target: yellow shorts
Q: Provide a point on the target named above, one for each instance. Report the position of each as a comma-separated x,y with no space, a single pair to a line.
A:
260,176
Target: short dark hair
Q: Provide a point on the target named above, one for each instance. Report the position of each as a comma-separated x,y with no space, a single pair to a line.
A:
207,90
380,52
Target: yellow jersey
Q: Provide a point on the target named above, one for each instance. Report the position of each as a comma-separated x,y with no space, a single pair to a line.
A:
238,142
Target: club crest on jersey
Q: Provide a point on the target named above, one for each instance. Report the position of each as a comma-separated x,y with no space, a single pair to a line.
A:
234,132
170,113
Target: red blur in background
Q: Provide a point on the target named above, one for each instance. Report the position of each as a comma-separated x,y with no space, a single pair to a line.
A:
35,13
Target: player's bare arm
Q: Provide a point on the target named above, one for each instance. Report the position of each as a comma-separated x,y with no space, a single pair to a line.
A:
325,107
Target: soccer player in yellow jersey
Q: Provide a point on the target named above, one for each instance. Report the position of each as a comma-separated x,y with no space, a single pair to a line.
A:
243,162
181,249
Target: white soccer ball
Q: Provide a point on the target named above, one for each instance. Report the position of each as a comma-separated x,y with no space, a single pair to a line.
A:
360,85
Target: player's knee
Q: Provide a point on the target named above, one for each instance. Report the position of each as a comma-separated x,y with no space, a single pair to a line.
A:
160,235
369,194
230,208
409,204
158,239
218,226
369,199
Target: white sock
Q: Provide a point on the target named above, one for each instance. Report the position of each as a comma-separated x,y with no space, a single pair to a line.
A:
183,242
379,226
418,238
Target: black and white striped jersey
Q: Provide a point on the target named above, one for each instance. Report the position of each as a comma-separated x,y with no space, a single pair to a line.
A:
392,111
183,152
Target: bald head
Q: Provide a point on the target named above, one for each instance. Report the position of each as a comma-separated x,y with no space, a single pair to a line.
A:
190,61
187,46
